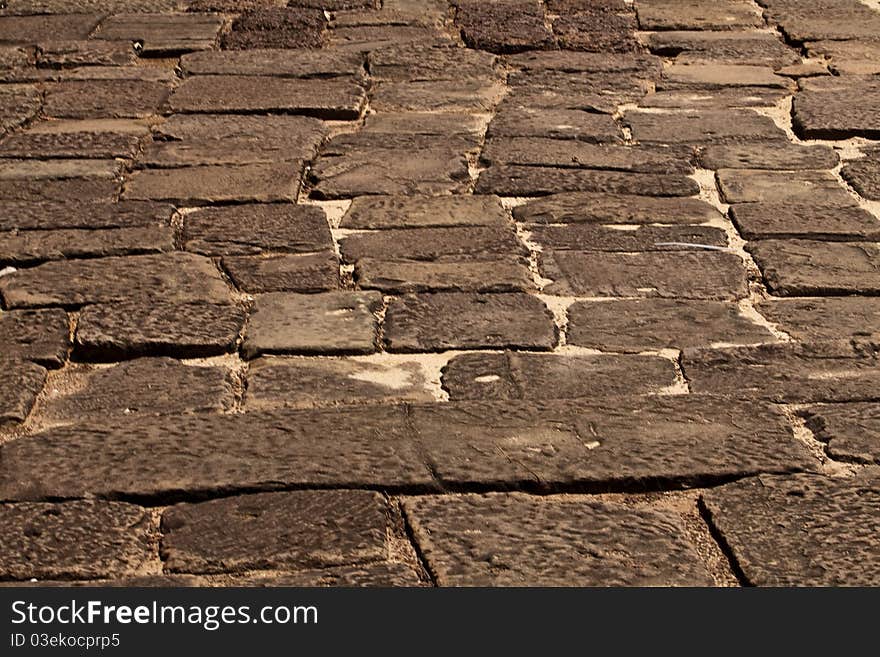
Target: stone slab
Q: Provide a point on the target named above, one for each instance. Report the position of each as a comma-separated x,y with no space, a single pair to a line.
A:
592,237
163,34
851,432
300,272
94,145
485,274
864,175
113,99
278,62
35,246
553,124
516,180
825,318
599,207
506,27
838,108
432,243
754,185
702,126
697,15
23,381
804,220
276,27
424,211
75,214
767,155
41,336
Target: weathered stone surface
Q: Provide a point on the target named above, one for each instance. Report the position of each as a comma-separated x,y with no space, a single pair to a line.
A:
800,531
276,27
420,63
138,127
755,185
33,246
18,104
142,458
367,38
432,243
234,152
23,381
485,274
183,330
739,47
804,267
555,124
450,320
864,175
515,180
848,57
717,76
37,29
702,126
82,99
256,228
171,276
598,207
787,373
722,98
424,211
145,386
42,336
330,323
519,540
307,382
384,575
590,237
436,96
639,325
163,34
201,185
34,189
850,431
838,108
637,443
17,215
202,128
503,27
95,145
309,272
307,528
61,169
70,54
284,63
684,275
67,7
83,539
559,90
584,62
767,155
839,19
697,15
334,98
825,318
514,375
596,31
804,220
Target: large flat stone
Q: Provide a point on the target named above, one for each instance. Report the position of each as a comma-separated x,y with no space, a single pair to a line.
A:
596,31
436,96
296,529
598,207
504,27
576,154
39,28
838,108
426,63
754,185
864,175
433,243
482,273
42,336
34,246
163,34
93,145
714,100
519,540
82,99
848,57
516,180
592,237
450,320
697,15
639,325
300,272
554,124
72,54
825,318
714,75
851,432
424,211
800,531
278,62
804,220
35,190
740,47
767,155
75,214
276,27
703,126
293,130
23,381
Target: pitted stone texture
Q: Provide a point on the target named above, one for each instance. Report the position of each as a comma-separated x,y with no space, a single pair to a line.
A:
302,529
591,237
373,575
598,207
275,62
84,539
715,100
163,34
433,243
504,27
71,54
425,211
636,443
838,19
202,128
838,108
182,330
424,63
850,431
787,373
24,216
350,447
584,62
42,336
809,268
82,99
202,185
554,124
306,382
702,126
514,375
117,126
596,31
686,275
34,246
754,185
92,145
558,90
735,47
39,190
334,98
67,7
14,170
257,228
700,75
518,540
18,104
37,29
147,386
864,175
276,27
23,381
332,323
515,180
450,320
366,38
804,220
171,276
697,15
767,155
848,57
800,531
825,318
660,324
436,96
301,272
481,273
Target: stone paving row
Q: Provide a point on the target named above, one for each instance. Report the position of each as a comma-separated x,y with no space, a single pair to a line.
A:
440,292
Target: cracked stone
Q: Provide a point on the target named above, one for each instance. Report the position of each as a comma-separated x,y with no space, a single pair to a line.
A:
276,27
825,318
23,381
555,124
516,180
598,207
767,155
301,272
754,185
838,108
506,27
850,431
42,336
804,220
702,126
734,47
433,243
486,274
697,15
848,57
590,237
34,246
163,34
426,211
23,216
80,99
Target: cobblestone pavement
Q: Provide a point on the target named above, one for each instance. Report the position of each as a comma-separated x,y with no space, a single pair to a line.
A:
322,292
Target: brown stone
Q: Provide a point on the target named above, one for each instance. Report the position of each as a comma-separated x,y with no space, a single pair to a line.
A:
70,54
373,575
585,62
163,34
753,185
104,98
598,207
504,27
767,155
739,47
276,27
825,318
851,432
22,382
591,237
436,96
804,220
485,274
697,15
555,124
838,108
424,211
299,133
864,175
42,336
432,243
848,57
23,216
596,31
719,99
702,126
716,76
35,190
306,272
279,62
18,103
422,63
367,38
37,29
33,246
93,145
515,180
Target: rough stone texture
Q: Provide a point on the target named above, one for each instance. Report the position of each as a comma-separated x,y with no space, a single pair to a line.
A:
23,381
486,274
276,27
36,246
804,220
515,180
42,336
142,457
421,63
703,126
37,29
71,54
131,329
640,325
800,531
504,27
374,575
307,382
590,237
85,539
697,15
23,216
82,99
171,276
143,386
40,190
366,38
95,145
745,48
848,57
718,76
864,175
256,228
538,376
600,207
685,275
753,185
294,131
14,170
825,318
787,373
432,243
301,272
596,31
850,431
276,62
330,323
767,155
436,96
554,124
450,320
18,104
423,211
804,267
163,34
517,540
714,100
838,108
839,19
310,529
